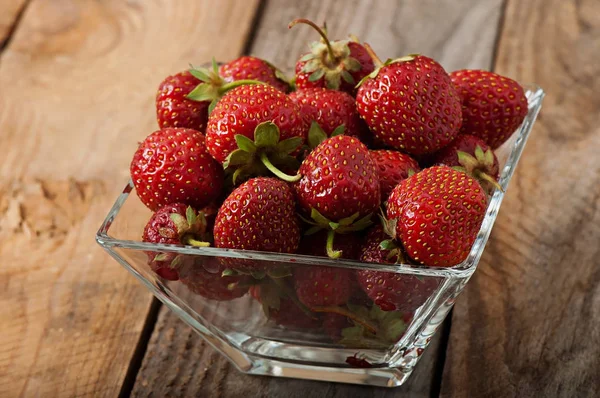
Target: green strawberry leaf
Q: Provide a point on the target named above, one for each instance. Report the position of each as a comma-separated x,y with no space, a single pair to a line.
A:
180,223
319,218
245,143
215,66
211,106
349,220
280,272
202,92
266,134
333,80
353,331
258,274
334,225
190,216
307,57
387,244
316,75
237,158
339,130
392,328
161,257
316,135
229,272
290,145
200,74
176,262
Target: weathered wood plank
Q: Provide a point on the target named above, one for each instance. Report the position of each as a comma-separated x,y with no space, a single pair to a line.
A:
77,85
9,13
178,363
529,322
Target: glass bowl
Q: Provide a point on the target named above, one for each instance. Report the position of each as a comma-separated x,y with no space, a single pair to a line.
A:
257,321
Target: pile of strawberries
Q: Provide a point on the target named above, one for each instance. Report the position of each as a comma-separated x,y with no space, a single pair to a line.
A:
384,162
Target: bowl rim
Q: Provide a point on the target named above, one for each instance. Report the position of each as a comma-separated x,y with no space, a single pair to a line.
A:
535,96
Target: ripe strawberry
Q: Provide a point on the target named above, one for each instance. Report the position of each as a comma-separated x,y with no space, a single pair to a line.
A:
206,280
283,311
438,213
253,127
336,65
175,224
334,112
394,167
391,291
174,109
410,104
473,156
252,68
493,106
323,286
172,165
347,244
259,215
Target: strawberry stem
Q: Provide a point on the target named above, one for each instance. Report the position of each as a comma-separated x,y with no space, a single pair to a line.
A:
188,240
319,31
285,177
373,56
231,85
329,246
480,175
349,314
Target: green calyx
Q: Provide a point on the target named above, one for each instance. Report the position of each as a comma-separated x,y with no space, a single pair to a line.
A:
395,252
328,60
343,226
264,154
316,135
379,64
191,229
213,87
386,327
479,167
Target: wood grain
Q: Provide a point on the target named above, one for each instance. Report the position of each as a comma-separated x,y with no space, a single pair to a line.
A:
529,322
178,363
9,15
77,85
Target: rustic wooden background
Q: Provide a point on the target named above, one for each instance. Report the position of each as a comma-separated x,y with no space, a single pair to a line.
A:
77,82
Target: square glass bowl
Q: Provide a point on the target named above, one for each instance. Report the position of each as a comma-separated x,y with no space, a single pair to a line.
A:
264,330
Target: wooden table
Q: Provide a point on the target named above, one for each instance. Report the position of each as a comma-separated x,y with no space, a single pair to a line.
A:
77,83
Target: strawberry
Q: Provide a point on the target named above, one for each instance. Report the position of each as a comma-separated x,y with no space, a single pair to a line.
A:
252,68
391,291
175,224
394,167
472,155
323,286
438,213
283,310
336,65
174,109
172,165
347,244
206,280
333,111
410,104
339,187
493,106
258,215
253,128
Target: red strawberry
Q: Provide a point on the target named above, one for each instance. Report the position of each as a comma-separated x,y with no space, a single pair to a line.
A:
394,167
391,291
410,104
174,109
175,224
206,280
493,106
252,68
282,310
333,324
172,165
337,65
438,213
259,215
339,187
331,109
314,245
323,286
473,156
254,126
